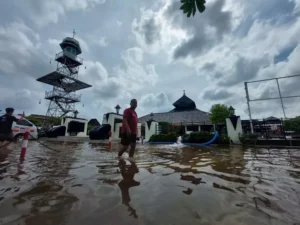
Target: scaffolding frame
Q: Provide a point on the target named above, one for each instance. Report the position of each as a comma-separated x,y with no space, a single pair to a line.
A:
264,99
64,80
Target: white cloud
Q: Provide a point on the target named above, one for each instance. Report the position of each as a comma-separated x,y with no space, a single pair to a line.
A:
102,42
134,76
151,51
18,45
155,102
24,99
153,32
45,12
119,23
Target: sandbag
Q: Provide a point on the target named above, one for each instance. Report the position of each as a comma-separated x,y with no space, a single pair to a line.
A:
57,131
100,132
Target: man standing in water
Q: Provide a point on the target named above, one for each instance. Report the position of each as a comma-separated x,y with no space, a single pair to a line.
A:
129,129
6,122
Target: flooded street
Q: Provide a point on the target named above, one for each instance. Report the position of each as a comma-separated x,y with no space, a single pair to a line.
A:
84,183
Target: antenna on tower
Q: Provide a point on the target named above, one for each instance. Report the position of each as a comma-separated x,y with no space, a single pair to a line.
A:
74,33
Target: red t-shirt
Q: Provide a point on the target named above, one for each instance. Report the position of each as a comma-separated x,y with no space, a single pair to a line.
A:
132,120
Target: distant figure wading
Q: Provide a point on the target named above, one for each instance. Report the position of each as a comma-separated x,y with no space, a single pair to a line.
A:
6,122
129,129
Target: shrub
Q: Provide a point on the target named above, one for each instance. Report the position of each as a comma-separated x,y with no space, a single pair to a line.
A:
198,137
248,139
170,137
185,138
166,128
224,140
292,124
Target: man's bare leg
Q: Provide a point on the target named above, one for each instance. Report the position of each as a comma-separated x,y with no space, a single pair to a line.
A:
123,149
132,149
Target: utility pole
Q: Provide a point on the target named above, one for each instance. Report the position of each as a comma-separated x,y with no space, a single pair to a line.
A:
248,103
280,98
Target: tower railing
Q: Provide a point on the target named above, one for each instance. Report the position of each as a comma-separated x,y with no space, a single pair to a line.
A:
61,94
70,55
68,72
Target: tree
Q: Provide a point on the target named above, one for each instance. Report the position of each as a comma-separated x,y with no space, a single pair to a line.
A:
190,6
39,122
219,113
33,120
292,124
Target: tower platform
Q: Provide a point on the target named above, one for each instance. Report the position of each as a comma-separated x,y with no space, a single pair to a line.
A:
62,97
69,59
65,82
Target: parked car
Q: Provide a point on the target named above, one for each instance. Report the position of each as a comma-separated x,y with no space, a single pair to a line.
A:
19,128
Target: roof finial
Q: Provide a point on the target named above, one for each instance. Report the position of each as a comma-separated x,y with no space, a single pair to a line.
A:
183,92
74,33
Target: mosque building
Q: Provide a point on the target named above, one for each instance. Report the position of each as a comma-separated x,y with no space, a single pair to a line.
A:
185,113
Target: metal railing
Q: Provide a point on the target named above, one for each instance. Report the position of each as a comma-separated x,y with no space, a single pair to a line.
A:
266,129
57,93
70,55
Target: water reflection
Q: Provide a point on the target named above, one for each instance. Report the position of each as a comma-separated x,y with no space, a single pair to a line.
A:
128,172
45,197
85,184
49,202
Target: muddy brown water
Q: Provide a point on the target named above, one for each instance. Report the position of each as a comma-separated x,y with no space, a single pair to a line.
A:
84,183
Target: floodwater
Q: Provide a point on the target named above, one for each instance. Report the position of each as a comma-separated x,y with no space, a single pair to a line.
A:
84,183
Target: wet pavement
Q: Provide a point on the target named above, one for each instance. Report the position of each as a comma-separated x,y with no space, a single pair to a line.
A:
84,183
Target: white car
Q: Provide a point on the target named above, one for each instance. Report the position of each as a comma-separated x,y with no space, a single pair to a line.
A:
19,128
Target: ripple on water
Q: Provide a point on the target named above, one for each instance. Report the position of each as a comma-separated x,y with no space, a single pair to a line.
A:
83,183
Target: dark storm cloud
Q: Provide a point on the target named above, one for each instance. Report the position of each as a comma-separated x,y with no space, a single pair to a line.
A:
194,46
151,31
276,10
217,95
284,54
244,70
209,66
214,17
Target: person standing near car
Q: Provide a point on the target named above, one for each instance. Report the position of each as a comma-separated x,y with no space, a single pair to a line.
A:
6,122
129,129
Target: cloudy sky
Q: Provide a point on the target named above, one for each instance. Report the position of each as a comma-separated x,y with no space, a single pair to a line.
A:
149,50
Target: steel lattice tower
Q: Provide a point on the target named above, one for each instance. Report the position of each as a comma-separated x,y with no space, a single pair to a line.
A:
65,81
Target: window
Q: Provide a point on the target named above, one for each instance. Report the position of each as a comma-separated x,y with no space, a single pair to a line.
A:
24,123
75,126
193,128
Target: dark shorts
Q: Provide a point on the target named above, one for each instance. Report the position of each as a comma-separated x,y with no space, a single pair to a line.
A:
6,136
128,139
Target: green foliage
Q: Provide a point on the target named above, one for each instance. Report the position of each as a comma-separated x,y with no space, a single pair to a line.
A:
224,140
38,122
166,128
35,121
190,6
185,138
90,127
292,124
248,139
170,137
219,113
55,121
198,137
194,137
